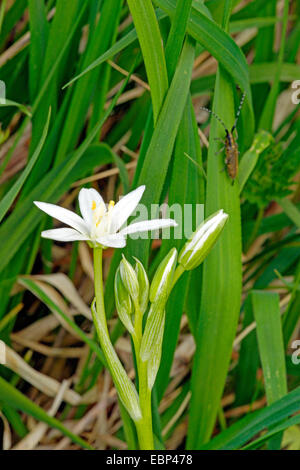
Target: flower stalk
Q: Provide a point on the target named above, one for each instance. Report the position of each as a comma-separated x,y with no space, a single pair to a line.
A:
139,408
124,386
143,426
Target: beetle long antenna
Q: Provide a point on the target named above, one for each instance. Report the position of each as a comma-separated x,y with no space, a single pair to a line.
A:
239,111
215,115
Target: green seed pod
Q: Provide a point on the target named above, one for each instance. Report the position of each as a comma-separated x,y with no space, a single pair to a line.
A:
143,285
123,302
129,279
202,241
163,277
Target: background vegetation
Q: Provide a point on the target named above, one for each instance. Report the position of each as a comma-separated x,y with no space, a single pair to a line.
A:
131,117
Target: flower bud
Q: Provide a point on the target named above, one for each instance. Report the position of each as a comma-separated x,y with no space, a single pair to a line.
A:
154,325
155,358
123,302
202,241
163,277
143,285
129,279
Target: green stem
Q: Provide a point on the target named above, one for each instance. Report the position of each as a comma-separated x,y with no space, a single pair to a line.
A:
144,426
178,273
123,384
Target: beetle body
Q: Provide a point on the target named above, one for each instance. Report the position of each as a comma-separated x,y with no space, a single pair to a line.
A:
232,155
230,143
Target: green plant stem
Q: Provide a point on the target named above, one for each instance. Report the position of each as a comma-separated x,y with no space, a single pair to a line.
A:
99,290
123,384
144,426
178,273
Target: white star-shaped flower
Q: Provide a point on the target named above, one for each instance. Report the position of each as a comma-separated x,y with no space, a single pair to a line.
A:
100,225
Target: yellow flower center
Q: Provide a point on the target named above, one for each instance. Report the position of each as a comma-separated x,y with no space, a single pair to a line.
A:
99,212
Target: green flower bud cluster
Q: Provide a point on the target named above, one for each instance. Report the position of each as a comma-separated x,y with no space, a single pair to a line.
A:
131,291
133,294
159,292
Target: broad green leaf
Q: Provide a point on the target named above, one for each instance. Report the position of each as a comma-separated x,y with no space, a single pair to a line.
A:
221,285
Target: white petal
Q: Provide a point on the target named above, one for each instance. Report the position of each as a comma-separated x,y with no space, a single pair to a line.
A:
114,241
64,215
63,235
125,207
86,198
148,225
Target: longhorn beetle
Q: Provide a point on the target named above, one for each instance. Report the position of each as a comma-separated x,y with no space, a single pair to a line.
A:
230,142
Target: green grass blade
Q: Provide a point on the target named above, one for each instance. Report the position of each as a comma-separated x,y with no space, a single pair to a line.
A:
148,33
261,141
24,219
14,190
295,420
271,348
12,397
266,119
177,34
154,170
246,428
260,73
290,210
42,92
61,30
38,42
40,294
291,316
270,342
82,93
21,107
12,16
220,45
246,372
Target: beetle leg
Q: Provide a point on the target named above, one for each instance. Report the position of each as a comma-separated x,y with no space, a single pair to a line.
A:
220,151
